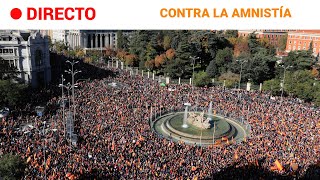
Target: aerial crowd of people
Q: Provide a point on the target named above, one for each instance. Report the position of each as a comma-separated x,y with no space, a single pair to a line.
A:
115,140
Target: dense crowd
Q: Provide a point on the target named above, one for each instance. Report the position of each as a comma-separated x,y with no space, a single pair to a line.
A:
116,141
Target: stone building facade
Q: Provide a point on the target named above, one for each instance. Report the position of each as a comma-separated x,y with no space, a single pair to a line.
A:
301,40
92,39
28,51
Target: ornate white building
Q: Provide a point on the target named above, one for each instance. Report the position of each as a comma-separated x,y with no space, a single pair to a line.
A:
28,51
59,36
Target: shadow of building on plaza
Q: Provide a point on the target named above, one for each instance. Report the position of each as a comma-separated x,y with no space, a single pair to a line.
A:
249,172
253,172
59,65
32,97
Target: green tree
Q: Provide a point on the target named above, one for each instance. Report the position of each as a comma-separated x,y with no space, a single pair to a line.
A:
311,47
230,79
167,42
212,69
231,33
151,52
299,60
223,59
300,84
138,43
273,86
7,71
253,43
201,79
181,65
11,167
122,41
283,42
8,97
260,67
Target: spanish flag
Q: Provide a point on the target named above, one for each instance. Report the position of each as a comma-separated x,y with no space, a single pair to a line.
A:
194,168
141,138
59,151
48,162
29,159
112,146
277,166
236,156
28,150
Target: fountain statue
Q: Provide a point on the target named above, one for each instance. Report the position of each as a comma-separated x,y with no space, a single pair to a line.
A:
199,120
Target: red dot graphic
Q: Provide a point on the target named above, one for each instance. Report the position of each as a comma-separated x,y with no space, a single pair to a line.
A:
16,13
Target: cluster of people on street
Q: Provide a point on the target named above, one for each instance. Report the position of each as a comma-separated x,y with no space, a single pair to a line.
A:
115,139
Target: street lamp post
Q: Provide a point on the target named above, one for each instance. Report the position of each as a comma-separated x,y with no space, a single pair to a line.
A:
68,87
73,73
284,76
194,58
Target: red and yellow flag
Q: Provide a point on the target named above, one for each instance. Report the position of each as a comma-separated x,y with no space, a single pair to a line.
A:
277,166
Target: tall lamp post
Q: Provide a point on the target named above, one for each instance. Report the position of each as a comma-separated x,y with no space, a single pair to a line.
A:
242,61
73,73
68,87
284,76
194,58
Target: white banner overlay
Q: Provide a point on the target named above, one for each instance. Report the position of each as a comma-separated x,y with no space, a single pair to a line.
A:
159,14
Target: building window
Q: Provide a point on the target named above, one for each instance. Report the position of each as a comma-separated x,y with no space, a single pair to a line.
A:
299,42
295,42
289,42
304,44
304,48
38,57
294,47
314,50
299,48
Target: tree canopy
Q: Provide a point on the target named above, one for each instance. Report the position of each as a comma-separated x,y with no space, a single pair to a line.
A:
11,167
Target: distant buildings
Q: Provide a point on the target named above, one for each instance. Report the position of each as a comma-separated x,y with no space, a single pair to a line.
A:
86,39
273,36
28,51
301,40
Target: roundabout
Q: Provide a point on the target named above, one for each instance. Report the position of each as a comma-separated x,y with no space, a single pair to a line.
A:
221,130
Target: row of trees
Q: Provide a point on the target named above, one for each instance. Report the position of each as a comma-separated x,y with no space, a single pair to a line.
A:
222,55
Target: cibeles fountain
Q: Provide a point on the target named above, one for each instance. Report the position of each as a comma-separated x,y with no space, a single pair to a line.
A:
196,119
198,127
